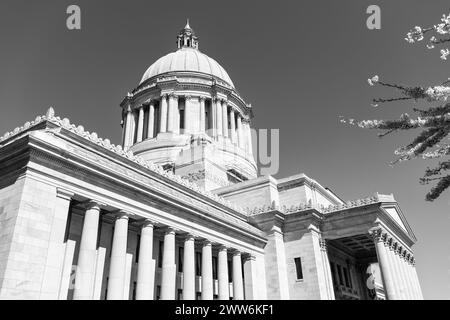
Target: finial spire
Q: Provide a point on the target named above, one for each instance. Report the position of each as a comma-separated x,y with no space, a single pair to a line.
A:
187,38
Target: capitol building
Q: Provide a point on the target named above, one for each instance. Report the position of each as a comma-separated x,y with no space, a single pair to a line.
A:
178,210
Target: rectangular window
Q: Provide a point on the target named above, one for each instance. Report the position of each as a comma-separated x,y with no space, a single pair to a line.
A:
298,268
181,112
198,296
138,246
214,266
198,264
180,259
160,253
341,281
180,294
347,284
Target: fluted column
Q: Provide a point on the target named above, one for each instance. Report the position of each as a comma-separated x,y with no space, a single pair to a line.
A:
327,269
172,114
222,274
225,118
117,265
202,115
84,278
187,115
249,139
207,274
412,290
386,270
168,278
238,287
128,136
163,114
416,280
189,268
392,258
140,128
146,265
219,114
151,120
233,126
402,278
240,132
408,285
250,278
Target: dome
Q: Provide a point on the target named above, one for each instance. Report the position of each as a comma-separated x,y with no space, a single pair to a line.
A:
187,59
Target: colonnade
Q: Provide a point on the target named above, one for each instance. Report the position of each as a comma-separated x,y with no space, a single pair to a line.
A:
220,121
397,267
145,279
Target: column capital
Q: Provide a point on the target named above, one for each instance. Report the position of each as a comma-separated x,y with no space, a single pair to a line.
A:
120,214
64,194
248,257
92,204
173,95
189,236
169,230
188,97
378,235
148,223
201,98
164,95
235,252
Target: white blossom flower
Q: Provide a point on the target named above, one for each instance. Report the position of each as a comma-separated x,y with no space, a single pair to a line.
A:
373,80
415,35
444,53
438,93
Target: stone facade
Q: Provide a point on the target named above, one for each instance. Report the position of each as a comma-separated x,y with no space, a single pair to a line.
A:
177,212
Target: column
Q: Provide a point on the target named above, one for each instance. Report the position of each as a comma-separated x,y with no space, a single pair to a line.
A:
416,280
402,278
53,281
386,270
151,120
392,259
250,278
189,268
168,278
409,275
146,265
240,131
128,136
222,274
207,274
225,118
117,264
249,139
140,128
163,114
84,278
173,124
219,115
408,286
202,115
327,270
238,288
187,115
233,126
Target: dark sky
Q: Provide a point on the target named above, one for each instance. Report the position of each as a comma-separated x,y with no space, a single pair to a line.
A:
301,64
